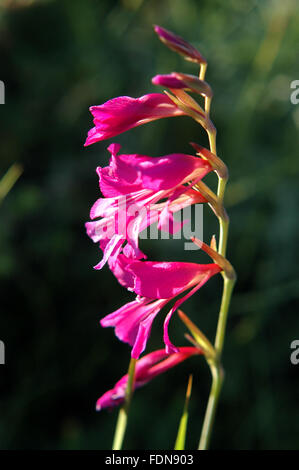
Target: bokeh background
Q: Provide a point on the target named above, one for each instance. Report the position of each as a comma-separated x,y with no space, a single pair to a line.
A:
57,58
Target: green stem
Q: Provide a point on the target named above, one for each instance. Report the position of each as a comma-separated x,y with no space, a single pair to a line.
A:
223,233
221,188
211,130
228,285
202,71
217,375
122,419
215,366
120,429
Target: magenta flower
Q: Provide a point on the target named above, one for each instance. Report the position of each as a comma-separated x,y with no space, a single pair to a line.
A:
123,113
133,186
147,368
156,284
139,190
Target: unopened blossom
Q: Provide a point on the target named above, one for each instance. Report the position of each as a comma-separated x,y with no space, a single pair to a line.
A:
156,284
147,368
183,81
123,113
133,186
180,45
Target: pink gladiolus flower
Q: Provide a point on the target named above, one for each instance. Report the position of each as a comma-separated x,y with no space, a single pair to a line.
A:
123,113
156,284
133,185
147,368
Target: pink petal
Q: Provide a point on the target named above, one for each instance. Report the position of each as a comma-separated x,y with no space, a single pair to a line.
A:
118,178
170,361
113,244
133,322
103,207
123,113
128,173
133,229
111,185
119,267
167,223
147,368
144,330
159,173
100,229
170,348
164,280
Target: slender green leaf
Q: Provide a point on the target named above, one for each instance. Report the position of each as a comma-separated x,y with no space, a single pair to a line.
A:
181,436
9,179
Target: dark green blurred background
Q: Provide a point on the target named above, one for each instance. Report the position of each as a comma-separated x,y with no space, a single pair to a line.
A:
59,57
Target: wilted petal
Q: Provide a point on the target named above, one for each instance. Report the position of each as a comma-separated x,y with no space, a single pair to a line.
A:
147,368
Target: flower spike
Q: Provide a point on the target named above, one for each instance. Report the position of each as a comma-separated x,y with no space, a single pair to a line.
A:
138,191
